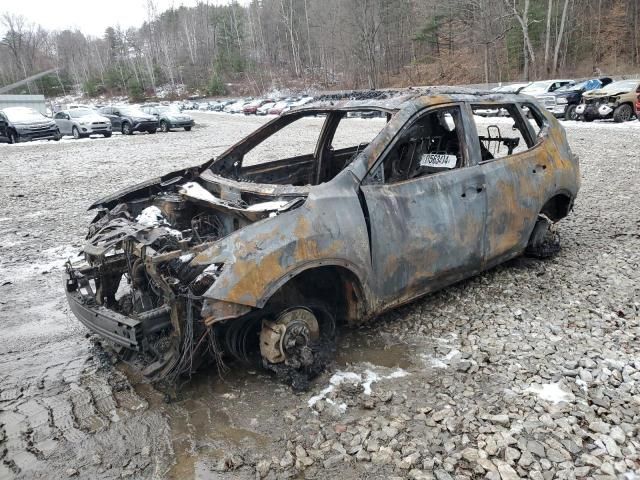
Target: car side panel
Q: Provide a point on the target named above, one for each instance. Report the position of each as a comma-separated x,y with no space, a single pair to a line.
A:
329,229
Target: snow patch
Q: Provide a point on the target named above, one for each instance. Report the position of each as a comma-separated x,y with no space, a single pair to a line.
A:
551,392
365,381
439,362
151,217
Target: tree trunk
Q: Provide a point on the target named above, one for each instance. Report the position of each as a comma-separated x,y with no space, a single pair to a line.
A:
560,36
547,37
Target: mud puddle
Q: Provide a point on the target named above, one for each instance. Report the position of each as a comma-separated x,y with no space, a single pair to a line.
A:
246,411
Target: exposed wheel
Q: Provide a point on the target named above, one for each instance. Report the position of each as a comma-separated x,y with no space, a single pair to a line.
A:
188,129
622,113
164,126
297,343
570,113
126,129
544,241
107,134
75,132
588,118
13,137
151,131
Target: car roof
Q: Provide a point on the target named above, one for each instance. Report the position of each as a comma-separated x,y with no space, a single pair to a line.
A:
393,100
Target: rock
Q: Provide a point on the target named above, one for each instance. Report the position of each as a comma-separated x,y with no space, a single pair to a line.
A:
618,434
506,472
300,451
145,452
536,448
612,446
333,461
412,459
511,455
526,459
363,456
263,467
71,472
599,427
287,460
590,460
382,456
442,474
500,420
607,469
558,455
471,455
416,474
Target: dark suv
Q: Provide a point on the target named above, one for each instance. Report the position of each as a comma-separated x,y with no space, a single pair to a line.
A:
567,98
127,119
22,124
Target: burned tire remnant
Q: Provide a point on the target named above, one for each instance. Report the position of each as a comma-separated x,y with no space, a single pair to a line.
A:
544,242
299,344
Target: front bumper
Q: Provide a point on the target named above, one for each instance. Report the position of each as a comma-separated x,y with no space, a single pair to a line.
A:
45,134
602,110
119,329
146,126
97,129
182,123
559,109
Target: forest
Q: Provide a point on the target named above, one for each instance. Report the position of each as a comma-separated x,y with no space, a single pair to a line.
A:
263,45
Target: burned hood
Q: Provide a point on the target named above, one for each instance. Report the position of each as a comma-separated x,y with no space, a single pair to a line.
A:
603,92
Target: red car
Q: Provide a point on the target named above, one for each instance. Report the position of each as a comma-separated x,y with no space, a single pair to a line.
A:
251,107
279,107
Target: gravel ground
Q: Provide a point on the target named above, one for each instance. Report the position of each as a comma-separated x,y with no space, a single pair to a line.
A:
530,370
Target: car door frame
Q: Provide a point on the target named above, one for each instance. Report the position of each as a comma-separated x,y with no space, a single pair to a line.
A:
397,278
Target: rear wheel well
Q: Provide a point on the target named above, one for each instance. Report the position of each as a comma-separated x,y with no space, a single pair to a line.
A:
337,287
557,207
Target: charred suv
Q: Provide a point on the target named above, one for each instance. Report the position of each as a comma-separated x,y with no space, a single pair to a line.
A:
256,255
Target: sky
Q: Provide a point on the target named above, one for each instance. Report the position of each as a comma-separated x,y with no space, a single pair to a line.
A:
90,17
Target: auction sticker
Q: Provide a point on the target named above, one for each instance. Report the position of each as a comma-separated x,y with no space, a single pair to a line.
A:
438,160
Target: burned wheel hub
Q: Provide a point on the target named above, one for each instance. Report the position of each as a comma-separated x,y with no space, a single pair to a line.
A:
288,339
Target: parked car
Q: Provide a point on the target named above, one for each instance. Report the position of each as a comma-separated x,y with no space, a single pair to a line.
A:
543,89
127,119
170,117
82,122
279,107
237,106
616,101
297,103
264,109
23,124
564,101
511,88
222,104
252,107
236,258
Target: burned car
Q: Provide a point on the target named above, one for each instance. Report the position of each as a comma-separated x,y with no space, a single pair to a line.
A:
259,255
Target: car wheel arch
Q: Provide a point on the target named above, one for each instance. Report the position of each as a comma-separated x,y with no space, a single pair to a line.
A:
557,206
351,293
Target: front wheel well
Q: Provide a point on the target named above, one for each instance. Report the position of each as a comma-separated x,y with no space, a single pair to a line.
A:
337,287
557,207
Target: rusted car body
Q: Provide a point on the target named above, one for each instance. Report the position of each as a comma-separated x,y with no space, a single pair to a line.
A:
237,259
